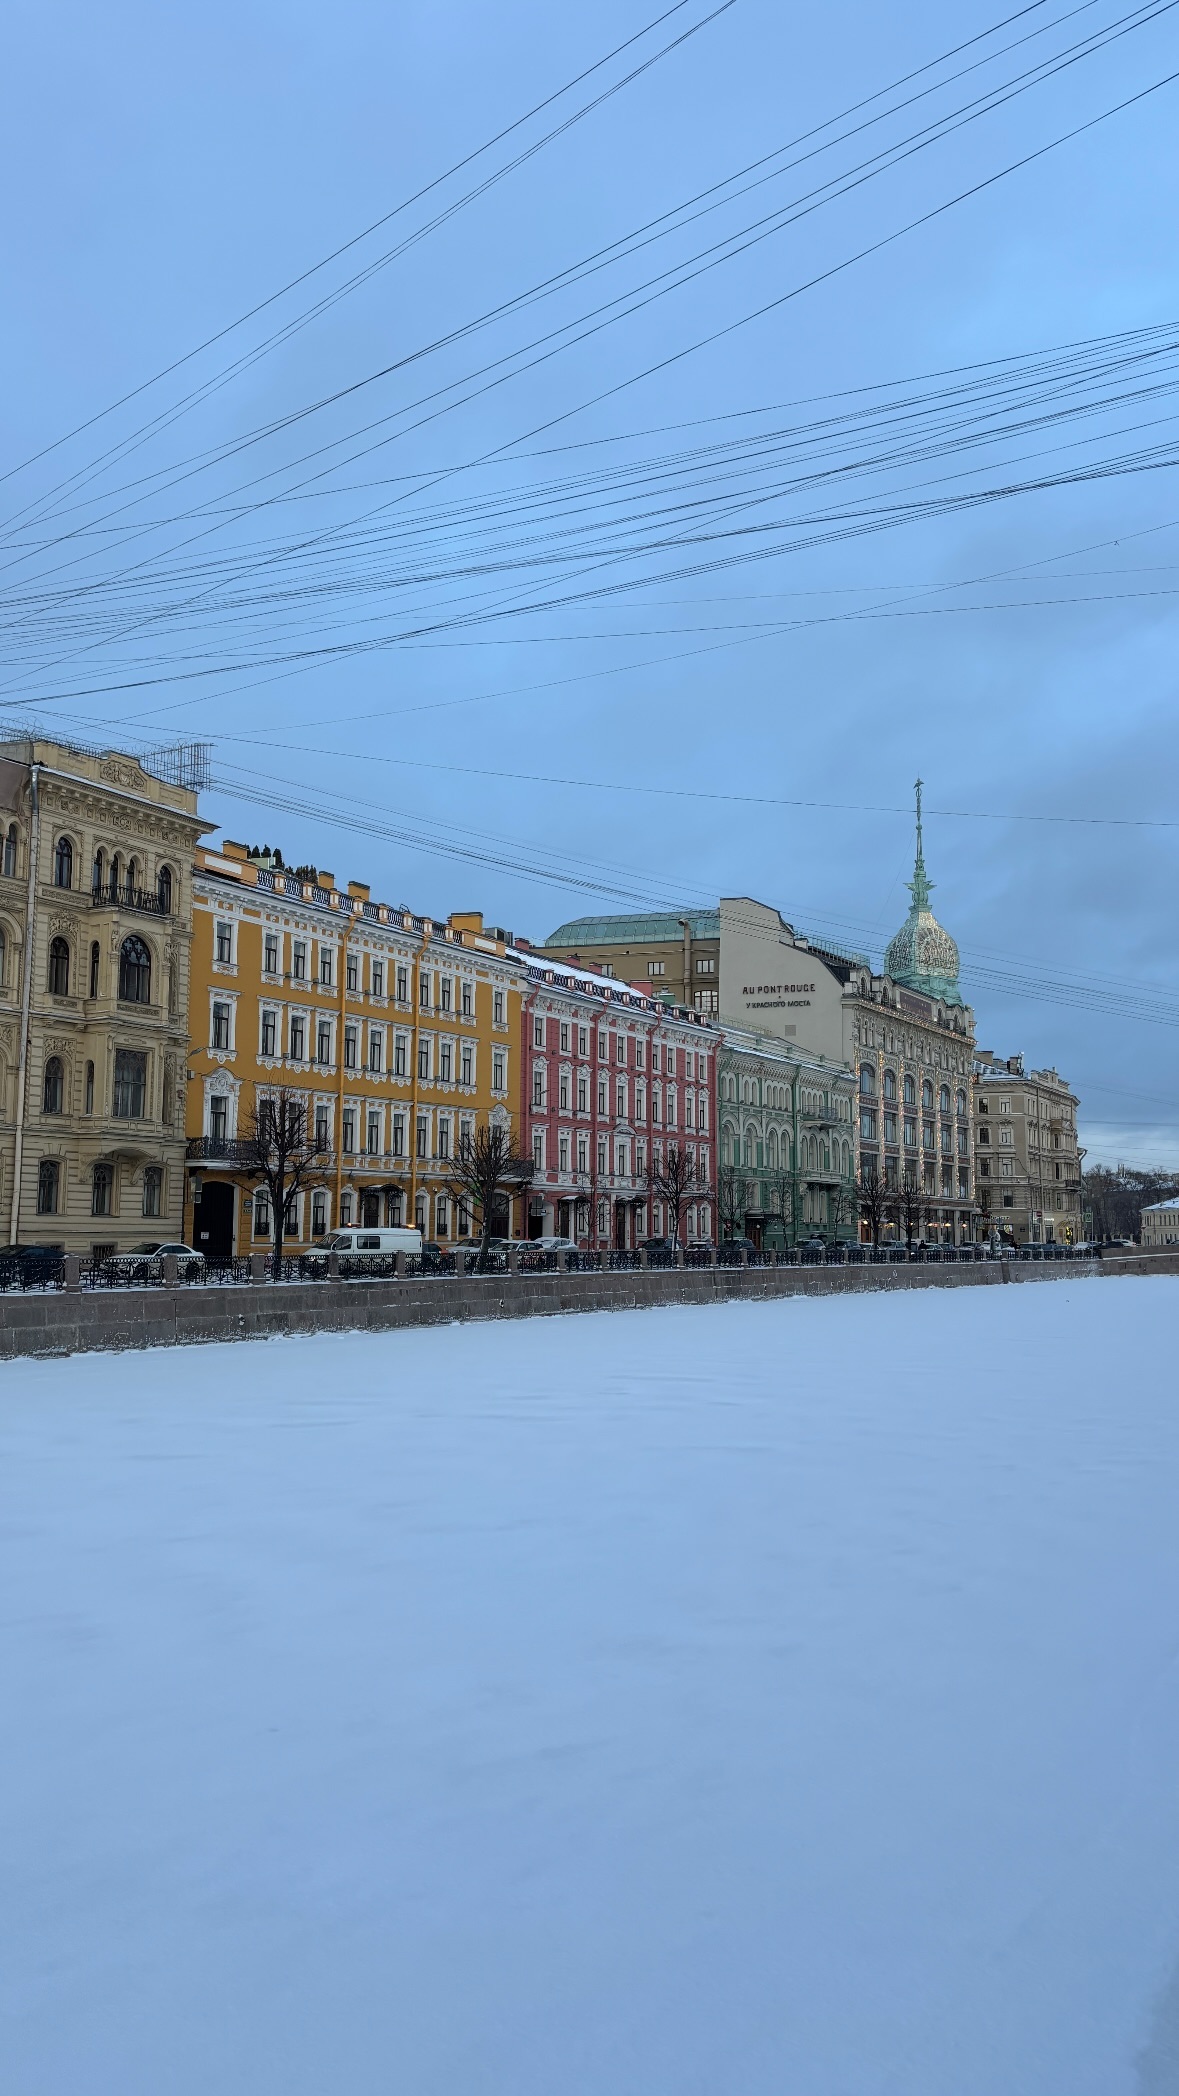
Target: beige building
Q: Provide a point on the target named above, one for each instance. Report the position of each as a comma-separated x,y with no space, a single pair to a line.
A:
1029,1162
96,864
1160,1224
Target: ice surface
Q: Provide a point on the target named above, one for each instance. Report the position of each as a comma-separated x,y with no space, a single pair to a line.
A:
774,1700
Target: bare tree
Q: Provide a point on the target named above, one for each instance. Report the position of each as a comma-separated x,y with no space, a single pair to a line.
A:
280,1151
910,1207
733,1199
485,1166
873,1198
673,1179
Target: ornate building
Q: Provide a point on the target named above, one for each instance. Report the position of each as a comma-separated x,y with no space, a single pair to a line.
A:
910,1040
1027,1158
787,1143
96,870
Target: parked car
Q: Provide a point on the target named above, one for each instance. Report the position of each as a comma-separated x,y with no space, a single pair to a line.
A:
29,1266
657,1245
813,1244
148,1258
551,1244
365,1246
732,1247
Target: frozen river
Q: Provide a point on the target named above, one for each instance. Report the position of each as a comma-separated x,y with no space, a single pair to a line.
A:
768,1700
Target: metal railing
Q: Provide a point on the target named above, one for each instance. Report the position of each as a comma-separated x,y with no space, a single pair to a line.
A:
110,897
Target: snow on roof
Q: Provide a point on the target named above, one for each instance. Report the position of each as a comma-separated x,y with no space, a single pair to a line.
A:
1154,1207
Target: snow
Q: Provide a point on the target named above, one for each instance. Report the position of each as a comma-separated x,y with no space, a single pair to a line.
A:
767,1700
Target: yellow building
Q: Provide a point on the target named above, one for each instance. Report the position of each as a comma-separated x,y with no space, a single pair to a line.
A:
402,1031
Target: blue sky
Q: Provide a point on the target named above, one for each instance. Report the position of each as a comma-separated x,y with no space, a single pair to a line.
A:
170,167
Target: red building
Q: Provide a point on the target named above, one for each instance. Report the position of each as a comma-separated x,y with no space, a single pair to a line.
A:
617,1103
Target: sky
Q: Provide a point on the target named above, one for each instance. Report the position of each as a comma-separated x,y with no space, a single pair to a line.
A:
512,709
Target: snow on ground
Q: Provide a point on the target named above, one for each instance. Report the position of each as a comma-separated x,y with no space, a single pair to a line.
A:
767,1700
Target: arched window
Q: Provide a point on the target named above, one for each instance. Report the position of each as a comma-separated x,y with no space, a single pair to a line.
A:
48,1182
10,870
100,1190
63,864
890,1084
867,1080
927,1096
772,1150
54,1086
59,968
116,874
164,890
89,1108
132,876
99,873
3,955
960,1102
910,1092
95,956
134,972
944,1098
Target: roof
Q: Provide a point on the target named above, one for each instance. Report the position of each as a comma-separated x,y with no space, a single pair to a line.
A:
636,931
1156,1206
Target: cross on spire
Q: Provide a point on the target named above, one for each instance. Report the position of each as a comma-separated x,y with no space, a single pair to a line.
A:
920,886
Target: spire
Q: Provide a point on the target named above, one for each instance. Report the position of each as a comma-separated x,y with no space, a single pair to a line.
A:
920,887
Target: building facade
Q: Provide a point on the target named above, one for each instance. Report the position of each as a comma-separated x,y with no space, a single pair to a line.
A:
400,1033
610,1079
1160,1224
787,1143
96,869
1029,1161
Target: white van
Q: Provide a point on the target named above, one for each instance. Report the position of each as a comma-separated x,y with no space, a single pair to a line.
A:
367,1244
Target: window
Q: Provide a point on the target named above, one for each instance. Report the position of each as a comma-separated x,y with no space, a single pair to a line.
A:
890,1084
984,1136
377,977
497,1007
134,972
402,983
48,1184
299,960
423,1136
582,1154
224,944
446,986
374,1135
100,1190
867,1081
444,1135
706,1000
424,990
944,1099
706,967
152,1184
350,1047
298,1040
538,1085
656,968
53,1087
868,1124
219,1117
620,1099
318,1215
352,973
960,1102
400,1054
963,1142
927,1096
345,1210
1005,1168
563,1153
910,1089
130,1086
619,1048
890,1128
270,953
262,1213
376,1051
468,1000
984,1167
1005,1136
10,870
3,956
59,968
582,1093
399,1135
89,1089
984,1106
348,1136
564,1037
467,1064
164,890
326,966
538,1150
322,1139
323,1041
563,1091
499,1070
116,874
63,864
445,1061
605,968
538,1033
1009,1200
928,1136
424,1060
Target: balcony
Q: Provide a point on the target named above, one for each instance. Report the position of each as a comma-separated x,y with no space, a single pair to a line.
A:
125,898
219,1149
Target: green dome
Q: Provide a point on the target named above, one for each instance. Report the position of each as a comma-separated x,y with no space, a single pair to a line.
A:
923,956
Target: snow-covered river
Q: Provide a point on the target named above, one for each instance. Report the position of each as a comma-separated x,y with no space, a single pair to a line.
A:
767,1700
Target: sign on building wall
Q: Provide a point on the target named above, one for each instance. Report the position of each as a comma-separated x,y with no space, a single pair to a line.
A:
770,985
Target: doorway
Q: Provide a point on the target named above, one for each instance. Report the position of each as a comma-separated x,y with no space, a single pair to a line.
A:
212,1221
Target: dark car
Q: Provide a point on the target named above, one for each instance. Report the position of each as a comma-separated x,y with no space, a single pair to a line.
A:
732,1247
813,1244
660,1249
30,1266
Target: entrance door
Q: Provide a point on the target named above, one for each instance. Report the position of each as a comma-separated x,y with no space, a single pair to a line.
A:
212,1225
620,1228
370,1208
563,1229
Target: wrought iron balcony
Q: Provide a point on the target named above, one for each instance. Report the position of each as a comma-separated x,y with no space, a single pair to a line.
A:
219,1149
110,897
